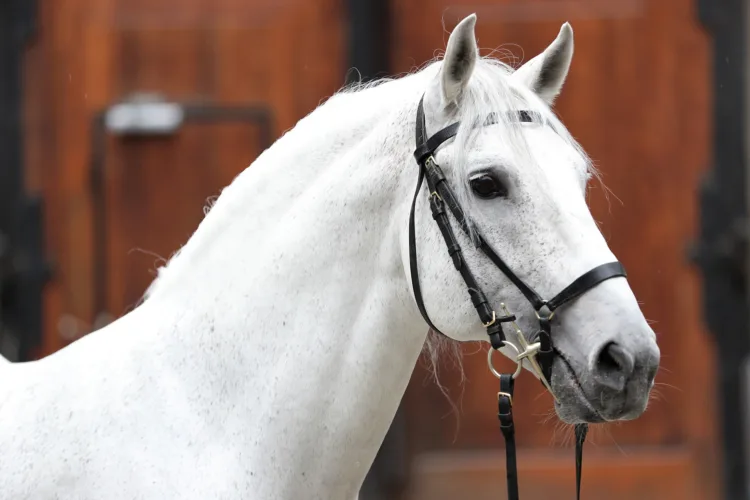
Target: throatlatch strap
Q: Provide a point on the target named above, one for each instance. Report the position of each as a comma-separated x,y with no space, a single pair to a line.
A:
581,430
505,415
413,256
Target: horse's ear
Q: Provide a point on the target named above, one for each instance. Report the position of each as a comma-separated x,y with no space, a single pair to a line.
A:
460,59
545,73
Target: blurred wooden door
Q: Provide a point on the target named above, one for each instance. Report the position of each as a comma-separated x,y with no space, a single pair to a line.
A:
638,99
246,70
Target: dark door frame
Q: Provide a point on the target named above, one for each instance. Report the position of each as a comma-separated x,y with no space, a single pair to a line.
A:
368,38
722,251
23,269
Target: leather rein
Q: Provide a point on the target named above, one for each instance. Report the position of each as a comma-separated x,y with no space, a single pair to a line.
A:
539,353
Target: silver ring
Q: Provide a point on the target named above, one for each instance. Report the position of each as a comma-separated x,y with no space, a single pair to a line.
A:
497,374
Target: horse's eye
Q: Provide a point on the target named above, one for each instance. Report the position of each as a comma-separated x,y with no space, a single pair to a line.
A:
488,187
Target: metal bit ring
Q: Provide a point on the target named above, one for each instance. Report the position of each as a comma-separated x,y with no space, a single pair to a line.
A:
519,364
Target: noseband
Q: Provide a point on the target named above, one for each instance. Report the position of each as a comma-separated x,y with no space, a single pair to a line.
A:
540,352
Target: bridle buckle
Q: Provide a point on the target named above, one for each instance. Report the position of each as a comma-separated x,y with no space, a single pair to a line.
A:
505,395
492,321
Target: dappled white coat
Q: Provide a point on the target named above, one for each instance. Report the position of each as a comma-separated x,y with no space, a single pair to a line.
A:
271,353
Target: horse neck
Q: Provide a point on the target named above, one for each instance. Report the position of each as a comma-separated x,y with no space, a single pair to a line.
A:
289,309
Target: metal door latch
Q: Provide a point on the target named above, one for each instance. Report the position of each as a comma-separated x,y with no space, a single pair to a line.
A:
144,114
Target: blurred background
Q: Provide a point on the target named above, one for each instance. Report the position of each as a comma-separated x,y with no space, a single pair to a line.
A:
120,118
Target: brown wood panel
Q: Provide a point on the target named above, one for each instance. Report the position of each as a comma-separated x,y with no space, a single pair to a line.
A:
637,98
90,54
614,476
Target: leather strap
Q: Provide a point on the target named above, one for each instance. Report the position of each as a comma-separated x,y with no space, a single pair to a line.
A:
427,148
580,430
420,125
586,282
531,295
505,416
413,256
478,297
546,354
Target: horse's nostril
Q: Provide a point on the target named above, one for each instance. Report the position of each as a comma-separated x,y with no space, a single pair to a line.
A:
614,365
607,361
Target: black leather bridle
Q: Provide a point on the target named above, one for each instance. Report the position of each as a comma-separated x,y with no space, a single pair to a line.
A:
440,197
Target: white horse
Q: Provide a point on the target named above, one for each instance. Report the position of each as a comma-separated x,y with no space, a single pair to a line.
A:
270,354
